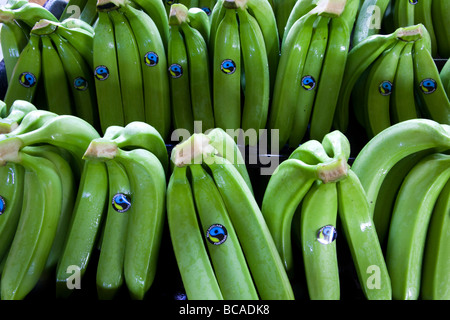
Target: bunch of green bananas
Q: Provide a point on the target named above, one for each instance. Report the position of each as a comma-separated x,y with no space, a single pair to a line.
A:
40,172
408,193
392,78
312,61
384,16
121,205
222,245
130,67
244,54
189,69
307,194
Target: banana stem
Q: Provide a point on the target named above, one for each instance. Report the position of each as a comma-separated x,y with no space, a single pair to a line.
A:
109,5
178,14
233,4
411,33
194,150
9,150
6,16
333,171
44,27
101,149
330,8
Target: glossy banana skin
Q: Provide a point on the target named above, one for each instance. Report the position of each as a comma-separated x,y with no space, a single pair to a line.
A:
13,40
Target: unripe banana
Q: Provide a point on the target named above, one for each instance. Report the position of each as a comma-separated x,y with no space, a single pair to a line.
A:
440,10
422,14
29,13
13,40
17,111
199,19
369,19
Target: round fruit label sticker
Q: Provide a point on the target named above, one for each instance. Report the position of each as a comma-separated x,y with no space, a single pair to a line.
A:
2,205
216,234
428,86
228,66
27,79
151,59
80,83
175,71
308,83
326,234
207,10
385,88
413,2
101,73
121,202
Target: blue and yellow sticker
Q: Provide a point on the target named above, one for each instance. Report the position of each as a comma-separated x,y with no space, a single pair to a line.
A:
2,205
151,59
385,88
308,82
121,202
27,79
80,83
216,234
101,73
428,86
175,70
228,66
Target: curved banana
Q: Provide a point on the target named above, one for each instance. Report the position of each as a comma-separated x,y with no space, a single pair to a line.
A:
224,249
90,204
362,239
80,78
29,13
282,9
404,13
199,19
55,80
73,8
395,143
403,101
289,73
409,224
26,74
146,218
312,152
369,19
266,267
36,228
80,39
17,111
445,77
154,69
226,71
333,72
299,9
31,120
433,100
435,270
318,233
256,69
310,79
199,76
440,9
74,23
13,39
281,199
196,270
378,90
423,15
110,277
129,64
181,105
106,73
89,13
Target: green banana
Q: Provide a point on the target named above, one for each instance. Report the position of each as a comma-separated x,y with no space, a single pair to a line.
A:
378,90
36,228
289,73
89,13
440,9
31,120
266,267
129,64
154,69
403,101
445,77
362,239
199,19
80,78
18,110
310,79
369,19
433,101
435,282
409,224
109,277
26,73
146,218
73,9
106,72
178,70
216,17
404,13
257,74
300,8
56,84
74,23
333,72
196,270
3,109
226,70
422,14
224,249
29,13
282,9
318,232
13,40
90,204
395,143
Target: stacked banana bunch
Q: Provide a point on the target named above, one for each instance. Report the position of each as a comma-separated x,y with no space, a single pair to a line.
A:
244,54
385,16
222,244
40,168
308,79
189,69
308,194
408,195
391,78
130,65
53,67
